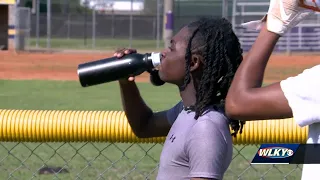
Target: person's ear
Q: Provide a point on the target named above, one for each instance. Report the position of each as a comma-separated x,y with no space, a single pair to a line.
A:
196,61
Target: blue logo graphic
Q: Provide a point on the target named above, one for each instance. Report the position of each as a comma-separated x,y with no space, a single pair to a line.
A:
275,153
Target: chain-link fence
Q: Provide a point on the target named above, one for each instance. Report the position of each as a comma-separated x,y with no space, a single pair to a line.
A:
72,25
115,161
104,25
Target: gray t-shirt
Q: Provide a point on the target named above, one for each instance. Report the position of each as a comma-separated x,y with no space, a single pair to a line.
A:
195,148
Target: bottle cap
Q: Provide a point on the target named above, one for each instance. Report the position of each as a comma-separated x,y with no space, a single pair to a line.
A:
156,59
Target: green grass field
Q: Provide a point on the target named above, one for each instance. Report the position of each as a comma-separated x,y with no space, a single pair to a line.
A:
100,44
90,160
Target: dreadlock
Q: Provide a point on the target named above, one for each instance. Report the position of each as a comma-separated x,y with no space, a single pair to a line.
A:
216,42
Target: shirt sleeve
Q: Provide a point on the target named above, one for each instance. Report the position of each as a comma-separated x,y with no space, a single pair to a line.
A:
303,95
207,151
173,113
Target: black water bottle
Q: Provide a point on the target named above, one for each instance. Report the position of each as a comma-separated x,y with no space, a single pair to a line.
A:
155,78
112,69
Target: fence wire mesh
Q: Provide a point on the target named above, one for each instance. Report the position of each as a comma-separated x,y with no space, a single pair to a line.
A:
115,161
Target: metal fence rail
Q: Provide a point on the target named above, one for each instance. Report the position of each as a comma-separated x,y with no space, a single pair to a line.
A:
115,161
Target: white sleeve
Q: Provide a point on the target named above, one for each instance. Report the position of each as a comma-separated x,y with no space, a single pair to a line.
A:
303,95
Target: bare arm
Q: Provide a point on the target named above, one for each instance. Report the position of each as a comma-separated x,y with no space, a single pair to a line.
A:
246,99
141,118
144,123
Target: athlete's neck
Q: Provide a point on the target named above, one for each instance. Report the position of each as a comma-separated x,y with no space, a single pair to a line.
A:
188,95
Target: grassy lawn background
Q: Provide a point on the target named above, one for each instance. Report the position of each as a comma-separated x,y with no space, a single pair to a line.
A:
90,160
100,44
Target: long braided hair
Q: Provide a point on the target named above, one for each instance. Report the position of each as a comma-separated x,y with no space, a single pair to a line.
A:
216,42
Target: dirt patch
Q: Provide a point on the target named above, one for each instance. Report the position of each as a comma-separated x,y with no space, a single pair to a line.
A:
63,66
45,66
282,66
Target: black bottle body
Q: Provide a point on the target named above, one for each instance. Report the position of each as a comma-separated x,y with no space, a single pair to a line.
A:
112,69
155,78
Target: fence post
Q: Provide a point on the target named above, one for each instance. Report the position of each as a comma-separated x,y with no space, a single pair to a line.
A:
37,22
18,38
68,26
85,22
225,8
113,24
93,26
158,24
168,21
28,27
130,28
288,43
48,24
22,26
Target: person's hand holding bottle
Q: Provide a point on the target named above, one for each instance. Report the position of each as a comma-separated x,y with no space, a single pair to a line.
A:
119,54
154,76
